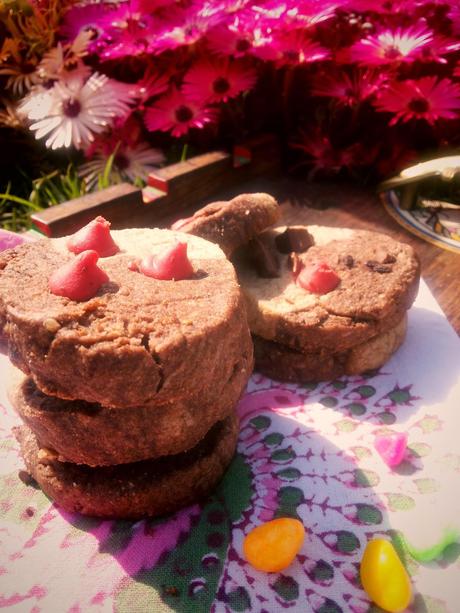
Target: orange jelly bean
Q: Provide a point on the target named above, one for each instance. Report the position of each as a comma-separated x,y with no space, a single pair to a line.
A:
384,578
272,546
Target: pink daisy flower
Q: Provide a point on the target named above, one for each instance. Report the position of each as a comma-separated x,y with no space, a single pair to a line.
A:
87,18
438,48
295,13
349,90
128,33
207,82
428,99
248,33
391,46
184,27
178,114
325,156
295,47
231,39
152,84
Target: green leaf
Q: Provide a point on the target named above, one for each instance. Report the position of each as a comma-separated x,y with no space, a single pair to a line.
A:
322,572
238,600
420,450
361,452
347,542
289,474
283,455
387,417
356,408
426,485
275,438
346,425
369,514
261,422
365,478
400,502
365,391
286,587
328,401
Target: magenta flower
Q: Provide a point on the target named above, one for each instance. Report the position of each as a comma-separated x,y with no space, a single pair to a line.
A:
152,84
128,32
87,18
349,90
439,47
428,99
295,13
207,82
295,47
183,27
178,114
230,39
325,156
391,46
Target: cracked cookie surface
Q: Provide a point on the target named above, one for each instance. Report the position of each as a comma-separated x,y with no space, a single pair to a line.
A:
139,340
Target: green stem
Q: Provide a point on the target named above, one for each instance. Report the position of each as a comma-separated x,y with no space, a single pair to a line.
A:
183,156
430,554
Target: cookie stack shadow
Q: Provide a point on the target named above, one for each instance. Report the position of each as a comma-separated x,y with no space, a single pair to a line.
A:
128,400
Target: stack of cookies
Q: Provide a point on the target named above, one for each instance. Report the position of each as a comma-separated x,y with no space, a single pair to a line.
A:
322,302
127,395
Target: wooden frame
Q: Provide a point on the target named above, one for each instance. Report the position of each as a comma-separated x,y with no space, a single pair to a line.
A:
171,190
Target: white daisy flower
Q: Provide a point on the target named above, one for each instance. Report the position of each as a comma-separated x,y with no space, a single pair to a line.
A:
64,62
79,110
130,163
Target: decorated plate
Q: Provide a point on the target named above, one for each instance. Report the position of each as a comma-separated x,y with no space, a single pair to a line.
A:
440,227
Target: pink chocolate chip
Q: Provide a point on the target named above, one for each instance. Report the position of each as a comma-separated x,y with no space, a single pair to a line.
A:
96,236
170,264
79,279
318,278
391,447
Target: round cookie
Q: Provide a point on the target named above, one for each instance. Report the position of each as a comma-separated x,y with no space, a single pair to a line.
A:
140,489
85,433
139,340
233,223
285,364
378,282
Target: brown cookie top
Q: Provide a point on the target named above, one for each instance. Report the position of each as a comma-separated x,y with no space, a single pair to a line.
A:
139,340
140,489
233,223
378,282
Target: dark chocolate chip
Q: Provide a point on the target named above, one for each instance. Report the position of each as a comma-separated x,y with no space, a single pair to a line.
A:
265,258
349,261
26,477
377,267
294,239
389,259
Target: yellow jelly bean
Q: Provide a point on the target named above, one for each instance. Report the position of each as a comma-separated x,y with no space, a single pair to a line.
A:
384,578
272,546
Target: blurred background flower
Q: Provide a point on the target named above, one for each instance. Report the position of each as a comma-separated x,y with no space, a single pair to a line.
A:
352,88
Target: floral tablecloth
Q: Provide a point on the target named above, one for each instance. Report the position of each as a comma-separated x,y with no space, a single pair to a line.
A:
304,451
